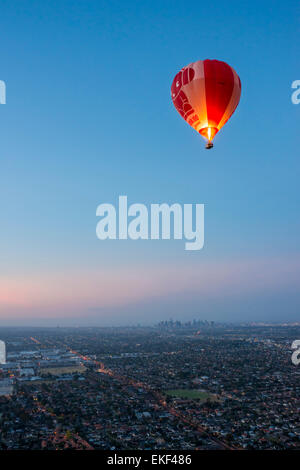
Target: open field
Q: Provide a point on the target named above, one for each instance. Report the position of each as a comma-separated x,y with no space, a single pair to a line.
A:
190,394
63,370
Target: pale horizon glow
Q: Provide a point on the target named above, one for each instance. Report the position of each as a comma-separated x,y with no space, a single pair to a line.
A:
76,294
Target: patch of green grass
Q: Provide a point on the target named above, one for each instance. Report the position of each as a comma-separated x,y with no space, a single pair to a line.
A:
63,370
190,394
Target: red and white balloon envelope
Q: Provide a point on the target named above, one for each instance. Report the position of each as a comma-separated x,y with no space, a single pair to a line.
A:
206,94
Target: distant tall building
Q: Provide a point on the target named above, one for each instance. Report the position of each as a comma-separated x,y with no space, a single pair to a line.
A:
2,352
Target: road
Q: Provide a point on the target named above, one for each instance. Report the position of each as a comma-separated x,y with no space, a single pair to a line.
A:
183,417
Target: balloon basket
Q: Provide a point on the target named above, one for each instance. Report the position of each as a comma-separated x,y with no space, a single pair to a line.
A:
209,145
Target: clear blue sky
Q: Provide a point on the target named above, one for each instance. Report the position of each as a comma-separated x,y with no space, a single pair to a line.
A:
89,117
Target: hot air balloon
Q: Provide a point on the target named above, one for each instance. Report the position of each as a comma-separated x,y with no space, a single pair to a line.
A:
206,94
